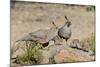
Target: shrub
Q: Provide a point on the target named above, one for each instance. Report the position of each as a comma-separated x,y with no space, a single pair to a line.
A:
32,55
91,41
90,8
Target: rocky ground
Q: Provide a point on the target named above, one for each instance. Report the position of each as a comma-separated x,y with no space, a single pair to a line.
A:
28,17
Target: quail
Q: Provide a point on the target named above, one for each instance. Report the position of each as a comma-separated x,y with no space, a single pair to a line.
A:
65,31
42,36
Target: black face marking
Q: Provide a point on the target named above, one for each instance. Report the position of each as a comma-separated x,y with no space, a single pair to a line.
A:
68,23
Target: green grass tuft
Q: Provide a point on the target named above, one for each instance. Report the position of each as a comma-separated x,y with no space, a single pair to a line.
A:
91,41
90,8
32,55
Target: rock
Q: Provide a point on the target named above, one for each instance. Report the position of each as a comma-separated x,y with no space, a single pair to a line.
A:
51,51
91,53
72,55
58,41
64,56
75,43
84,46
81,45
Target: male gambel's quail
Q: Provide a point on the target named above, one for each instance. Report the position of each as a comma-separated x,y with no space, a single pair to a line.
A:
65,31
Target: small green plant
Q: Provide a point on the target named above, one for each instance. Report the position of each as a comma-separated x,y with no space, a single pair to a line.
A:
32,55
91,41
90,8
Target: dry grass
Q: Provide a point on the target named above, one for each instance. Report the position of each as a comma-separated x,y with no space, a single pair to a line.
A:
91,41
31,56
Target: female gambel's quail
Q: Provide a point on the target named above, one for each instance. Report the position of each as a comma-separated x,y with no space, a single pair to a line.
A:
42,36
65,31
